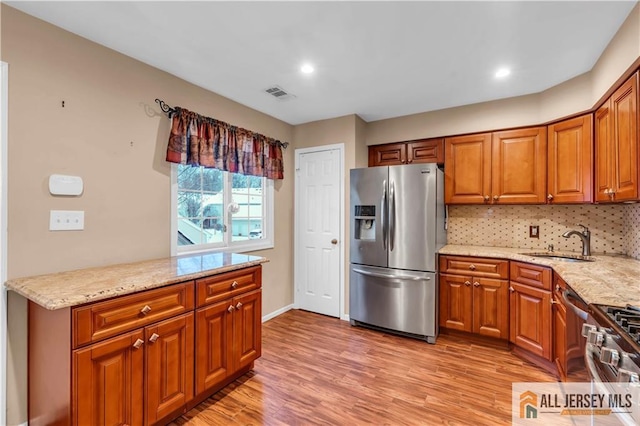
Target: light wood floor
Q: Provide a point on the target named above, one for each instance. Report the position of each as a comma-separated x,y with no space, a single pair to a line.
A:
320,370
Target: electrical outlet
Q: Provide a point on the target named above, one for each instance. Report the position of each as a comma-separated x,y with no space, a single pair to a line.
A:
66,220
534,231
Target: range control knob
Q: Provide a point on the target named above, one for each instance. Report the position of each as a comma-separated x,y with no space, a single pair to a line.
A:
595,338
626,376
586,328
610,356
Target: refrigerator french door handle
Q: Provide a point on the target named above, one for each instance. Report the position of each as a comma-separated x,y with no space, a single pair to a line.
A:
383,214
392,215
397,277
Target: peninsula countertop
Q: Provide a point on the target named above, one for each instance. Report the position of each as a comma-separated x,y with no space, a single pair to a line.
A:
72,288
609,280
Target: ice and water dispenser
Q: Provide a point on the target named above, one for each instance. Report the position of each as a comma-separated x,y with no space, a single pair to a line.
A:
365,226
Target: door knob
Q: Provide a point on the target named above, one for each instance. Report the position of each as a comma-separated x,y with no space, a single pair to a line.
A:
334,241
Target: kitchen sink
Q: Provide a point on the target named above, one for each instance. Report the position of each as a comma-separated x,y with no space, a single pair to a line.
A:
561,257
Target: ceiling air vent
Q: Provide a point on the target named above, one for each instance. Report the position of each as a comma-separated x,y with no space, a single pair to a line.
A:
279,93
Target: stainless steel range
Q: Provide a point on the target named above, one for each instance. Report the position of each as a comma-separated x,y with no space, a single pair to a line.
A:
612,353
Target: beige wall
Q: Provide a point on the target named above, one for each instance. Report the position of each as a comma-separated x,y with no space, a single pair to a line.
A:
570,97
111,134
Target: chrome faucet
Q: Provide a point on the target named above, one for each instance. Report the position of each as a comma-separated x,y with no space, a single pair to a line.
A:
585,236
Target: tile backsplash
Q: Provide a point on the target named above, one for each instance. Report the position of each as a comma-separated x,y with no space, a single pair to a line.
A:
615,229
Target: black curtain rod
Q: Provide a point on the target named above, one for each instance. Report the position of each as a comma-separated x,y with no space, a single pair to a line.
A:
170,111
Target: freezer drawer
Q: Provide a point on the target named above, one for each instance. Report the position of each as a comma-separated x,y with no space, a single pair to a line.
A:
402,301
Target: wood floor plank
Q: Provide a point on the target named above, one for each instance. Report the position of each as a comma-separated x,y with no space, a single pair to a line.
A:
317,370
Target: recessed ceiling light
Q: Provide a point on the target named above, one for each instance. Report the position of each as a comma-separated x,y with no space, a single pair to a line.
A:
307,68
503,72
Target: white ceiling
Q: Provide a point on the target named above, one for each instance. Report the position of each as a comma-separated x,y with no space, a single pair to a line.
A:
375,59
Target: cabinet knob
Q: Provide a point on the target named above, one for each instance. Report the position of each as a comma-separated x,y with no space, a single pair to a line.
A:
239,305
138,343
409,160
487,198
472,267
476,284
557,287
154,337
234,284
554,302
467,283
145,310
496,197
549,197
511,289
230,308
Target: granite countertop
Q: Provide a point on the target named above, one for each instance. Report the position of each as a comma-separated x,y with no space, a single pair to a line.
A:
72,288
609,280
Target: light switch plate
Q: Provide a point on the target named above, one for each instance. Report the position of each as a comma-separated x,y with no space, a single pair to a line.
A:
66,220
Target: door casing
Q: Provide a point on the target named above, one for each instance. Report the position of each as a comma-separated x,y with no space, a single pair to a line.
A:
343,242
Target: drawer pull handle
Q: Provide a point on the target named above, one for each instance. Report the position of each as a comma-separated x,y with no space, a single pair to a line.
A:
154,337
138,343
472,267
234,284
467,283
476,284
230,308
239,305
145,310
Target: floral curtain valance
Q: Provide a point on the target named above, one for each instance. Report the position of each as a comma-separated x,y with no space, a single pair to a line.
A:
204,141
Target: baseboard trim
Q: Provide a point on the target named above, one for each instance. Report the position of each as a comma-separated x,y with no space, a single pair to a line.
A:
277,312
345,317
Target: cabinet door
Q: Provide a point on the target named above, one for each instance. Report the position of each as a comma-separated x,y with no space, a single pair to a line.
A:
569,158
604,153
391,154
108,382
455,302
214,327
467,170
169,366
519,166
530,319
625,130
247,330
491,307
426,151
560,337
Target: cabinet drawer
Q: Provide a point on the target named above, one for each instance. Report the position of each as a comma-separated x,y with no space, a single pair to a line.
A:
100,320
531,275
475,266
219,287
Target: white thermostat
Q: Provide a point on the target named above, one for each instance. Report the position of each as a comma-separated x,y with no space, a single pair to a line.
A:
65,185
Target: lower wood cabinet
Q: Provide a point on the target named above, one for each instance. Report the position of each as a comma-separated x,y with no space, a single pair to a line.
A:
149,356
228,339
474,295
473,304
530,308
115,380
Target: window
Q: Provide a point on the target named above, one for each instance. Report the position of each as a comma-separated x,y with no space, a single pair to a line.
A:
213,209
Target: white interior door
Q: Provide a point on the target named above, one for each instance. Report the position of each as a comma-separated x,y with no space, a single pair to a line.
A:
318,229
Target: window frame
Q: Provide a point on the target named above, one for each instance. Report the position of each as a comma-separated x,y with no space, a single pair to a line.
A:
266,242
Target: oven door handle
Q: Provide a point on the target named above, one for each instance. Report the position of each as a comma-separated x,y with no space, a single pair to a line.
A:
566,295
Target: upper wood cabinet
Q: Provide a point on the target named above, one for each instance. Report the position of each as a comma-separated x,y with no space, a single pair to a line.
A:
569,160
616,124
496,168
419,151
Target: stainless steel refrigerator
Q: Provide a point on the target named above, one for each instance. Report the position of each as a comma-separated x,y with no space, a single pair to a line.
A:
397,227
